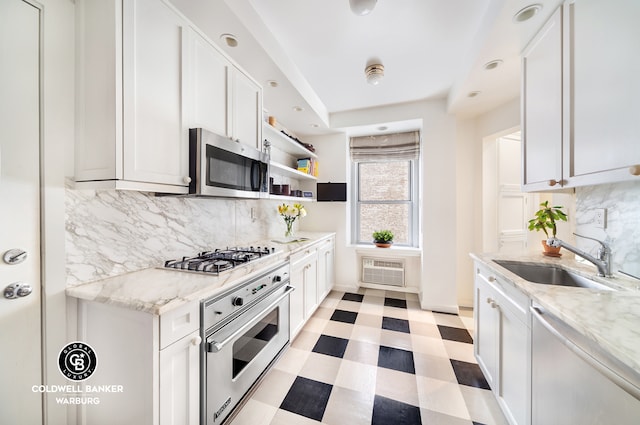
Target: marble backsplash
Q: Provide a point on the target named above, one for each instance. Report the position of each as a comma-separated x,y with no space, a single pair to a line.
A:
111,232
622,232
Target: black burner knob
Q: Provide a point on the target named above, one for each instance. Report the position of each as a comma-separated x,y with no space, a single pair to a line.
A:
277,278
237,301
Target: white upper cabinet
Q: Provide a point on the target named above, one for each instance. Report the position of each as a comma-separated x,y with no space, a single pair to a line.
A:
603,89
209,87
542,106
224,99
247,110
130,127
580,91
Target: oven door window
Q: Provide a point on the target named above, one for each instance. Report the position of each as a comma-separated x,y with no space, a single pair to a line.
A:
251,343
232,171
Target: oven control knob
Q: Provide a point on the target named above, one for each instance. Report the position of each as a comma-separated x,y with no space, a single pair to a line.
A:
277,278
237,301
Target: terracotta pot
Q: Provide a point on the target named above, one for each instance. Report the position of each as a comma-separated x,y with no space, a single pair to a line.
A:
550,250
383,245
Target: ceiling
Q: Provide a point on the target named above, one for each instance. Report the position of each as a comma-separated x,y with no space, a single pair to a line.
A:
317,51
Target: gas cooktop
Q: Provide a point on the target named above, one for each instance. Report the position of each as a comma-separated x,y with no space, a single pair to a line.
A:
219,260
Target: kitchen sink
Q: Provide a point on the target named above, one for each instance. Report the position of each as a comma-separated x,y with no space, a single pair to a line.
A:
549,275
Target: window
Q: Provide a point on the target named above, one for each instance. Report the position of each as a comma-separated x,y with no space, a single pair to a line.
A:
385,193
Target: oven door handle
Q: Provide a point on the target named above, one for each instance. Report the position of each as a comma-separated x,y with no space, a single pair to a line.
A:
215,346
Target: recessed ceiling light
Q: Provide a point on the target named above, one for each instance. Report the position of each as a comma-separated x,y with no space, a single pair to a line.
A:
229,39
383,128
527,13
473,94
492,65
272,83
298,108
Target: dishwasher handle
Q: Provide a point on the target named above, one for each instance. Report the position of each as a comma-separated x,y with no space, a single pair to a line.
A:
602,365
216,346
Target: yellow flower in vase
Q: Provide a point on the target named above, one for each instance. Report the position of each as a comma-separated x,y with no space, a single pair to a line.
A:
290,214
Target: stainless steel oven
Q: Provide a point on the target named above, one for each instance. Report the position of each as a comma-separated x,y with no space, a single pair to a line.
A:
219,166
244,330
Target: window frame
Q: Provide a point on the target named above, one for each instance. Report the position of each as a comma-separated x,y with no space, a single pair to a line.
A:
413,202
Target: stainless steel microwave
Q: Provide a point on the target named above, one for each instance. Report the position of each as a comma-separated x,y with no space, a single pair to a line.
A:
219,166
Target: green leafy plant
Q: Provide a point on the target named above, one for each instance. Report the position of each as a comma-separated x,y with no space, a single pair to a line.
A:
546,218
383,236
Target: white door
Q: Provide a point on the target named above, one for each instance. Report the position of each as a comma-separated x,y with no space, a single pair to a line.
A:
20,358
513,205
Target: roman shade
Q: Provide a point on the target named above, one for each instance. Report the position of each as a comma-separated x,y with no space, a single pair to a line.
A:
387,147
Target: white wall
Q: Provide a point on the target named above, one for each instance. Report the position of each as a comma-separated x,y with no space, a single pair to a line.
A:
469,213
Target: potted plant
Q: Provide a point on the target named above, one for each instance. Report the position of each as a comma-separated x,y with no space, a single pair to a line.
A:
545,220
383,238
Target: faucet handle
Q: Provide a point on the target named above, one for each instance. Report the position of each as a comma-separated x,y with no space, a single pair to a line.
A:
603,249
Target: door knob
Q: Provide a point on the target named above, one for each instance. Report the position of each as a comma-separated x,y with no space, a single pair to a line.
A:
17,290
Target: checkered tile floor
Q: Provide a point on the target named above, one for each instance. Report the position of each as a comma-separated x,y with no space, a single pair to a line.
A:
376,358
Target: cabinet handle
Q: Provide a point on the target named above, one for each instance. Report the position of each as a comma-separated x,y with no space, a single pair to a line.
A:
634,170
186,179
491,279
489,300
196,340
554,182
494,304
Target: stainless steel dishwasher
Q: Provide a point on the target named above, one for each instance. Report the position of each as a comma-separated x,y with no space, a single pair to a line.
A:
574,381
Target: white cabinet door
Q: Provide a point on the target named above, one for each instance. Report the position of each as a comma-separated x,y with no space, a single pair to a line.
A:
156,144
542,107
310,274
486,331
326,274
502,345
247,110
180,382
209,92
603,77
296,307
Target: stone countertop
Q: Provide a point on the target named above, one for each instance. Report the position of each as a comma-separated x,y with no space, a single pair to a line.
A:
611,319
159,290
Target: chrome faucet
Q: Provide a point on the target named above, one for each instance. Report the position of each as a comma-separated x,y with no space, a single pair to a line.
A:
603,262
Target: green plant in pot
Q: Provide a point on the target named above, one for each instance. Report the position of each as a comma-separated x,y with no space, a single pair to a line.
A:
545,219
383,238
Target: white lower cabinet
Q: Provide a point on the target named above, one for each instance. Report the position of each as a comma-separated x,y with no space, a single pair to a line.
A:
180,381
304,299
326,267
154,358
502,343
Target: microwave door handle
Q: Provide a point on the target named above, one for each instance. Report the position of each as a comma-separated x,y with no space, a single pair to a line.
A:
255,176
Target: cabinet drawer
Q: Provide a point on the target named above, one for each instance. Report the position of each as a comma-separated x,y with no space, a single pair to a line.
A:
302,255
509,296
178,323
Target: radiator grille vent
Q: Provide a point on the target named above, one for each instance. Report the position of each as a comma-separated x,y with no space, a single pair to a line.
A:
383,271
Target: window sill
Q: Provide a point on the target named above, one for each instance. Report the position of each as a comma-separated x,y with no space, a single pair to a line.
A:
394,251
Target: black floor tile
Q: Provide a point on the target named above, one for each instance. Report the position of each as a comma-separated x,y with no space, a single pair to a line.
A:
396,359
469,374
394,302
387,411
398,325
331,346
308,398
350,296
344,316
455,334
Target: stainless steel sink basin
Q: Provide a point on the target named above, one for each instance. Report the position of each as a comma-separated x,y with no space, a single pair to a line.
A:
549,275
